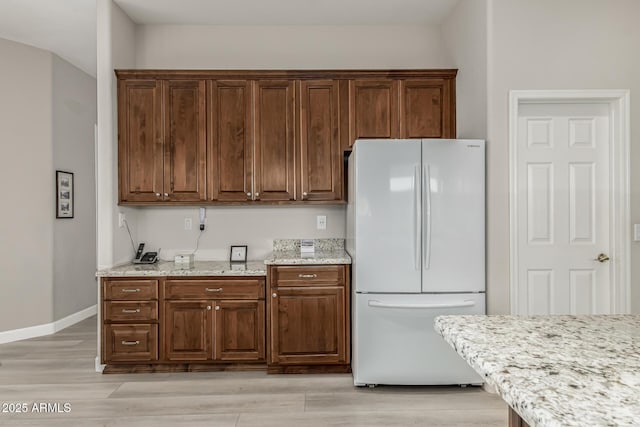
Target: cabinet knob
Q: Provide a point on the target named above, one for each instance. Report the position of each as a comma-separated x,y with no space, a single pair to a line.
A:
304,195
274,295
249,195
208,307
217,307
257,195
157,194
166,194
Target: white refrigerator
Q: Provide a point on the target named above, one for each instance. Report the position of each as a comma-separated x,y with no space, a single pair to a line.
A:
416,235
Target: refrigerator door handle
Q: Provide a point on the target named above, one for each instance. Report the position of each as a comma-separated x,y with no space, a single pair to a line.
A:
416,219
426,188
378,304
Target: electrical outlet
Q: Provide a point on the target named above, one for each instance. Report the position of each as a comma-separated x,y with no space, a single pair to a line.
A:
321,222
187,224
636,232
121,219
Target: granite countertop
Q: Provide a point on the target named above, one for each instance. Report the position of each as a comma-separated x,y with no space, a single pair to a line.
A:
555,370
338,256
200,268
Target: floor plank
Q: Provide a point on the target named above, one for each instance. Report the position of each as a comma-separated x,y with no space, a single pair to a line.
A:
60,369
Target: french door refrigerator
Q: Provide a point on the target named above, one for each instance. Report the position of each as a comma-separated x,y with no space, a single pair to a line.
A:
415,231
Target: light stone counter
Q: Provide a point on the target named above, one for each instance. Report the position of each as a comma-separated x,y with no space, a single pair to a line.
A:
555,370
200,268
319,257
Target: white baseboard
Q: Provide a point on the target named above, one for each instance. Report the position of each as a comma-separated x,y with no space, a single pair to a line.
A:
49,328
99,366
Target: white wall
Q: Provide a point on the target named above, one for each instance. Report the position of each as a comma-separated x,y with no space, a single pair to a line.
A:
547,44
289,47
115,49
275,47
74,254
26,171
465,39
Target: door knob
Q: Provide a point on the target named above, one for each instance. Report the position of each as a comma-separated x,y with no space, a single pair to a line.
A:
602,258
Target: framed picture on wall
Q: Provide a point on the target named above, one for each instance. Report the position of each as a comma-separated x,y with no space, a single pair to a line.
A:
64,194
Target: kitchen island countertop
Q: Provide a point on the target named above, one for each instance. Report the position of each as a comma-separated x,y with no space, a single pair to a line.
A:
556,370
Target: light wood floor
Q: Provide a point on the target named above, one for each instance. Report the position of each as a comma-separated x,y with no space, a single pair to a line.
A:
60,369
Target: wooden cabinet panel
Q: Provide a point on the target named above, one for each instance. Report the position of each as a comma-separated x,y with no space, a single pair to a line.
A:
230,140
373,109
320,172
188,328
185,143
239,333
274,168
130,289
130,311
234,288
140,155
308,325
425,109
130,343
308,275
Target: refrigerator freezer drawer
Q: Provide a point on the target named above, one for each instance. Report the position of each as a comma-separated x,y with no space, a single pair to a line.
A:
394,341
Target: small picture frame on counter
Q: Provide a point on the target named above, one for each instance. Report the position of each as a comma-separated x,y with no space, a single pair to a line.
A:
238,254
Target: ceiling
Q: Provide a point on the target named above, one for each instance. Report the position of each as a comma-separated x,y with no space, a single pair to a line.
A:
68,27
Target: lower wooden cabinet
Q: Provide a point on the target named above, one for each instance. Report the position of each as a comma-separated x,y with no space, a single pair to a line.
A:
309,316
218,330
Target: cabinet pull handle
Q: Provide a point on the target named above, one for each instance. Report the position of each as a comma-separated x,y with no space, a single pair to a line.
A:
274,295
307,276
166,194
124,310
248,195
257,195
208,307
130,342
213,289
304,195
217,307
130,290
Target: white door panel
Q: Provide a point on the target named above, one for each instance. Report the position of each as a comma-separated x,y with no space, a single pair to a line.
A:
453,216
563,208
394,341
387,216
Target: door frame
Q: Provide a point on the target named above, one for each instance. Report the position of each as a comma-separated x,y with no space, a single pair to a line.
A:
619,172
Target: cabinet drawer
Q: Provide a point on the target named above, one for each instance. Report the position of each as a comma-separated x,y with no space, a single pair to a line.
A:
130,343
214,289
130,289
308,275
125,311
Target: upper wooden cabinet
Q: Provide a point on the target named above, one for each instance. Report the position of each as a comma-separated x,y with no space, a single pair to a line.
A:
274,167
373,109
162,141
140,151
320,153
230,140
427,108
185,143
265,136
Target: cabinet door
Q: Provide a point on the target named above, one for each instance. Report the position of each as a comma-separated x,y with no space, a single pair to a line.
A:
426,109
239,331
308,325
184,140
274,178
320,152
230,140
188,329
140,156
373,109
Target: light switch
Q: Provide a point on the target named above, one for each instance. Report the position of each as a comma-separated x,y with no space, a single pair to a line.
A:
187,224
121,219
636,232
321,221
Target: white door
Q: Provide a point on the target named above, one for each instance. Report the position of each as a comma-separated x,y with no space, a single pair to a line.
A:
563,195
387,216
